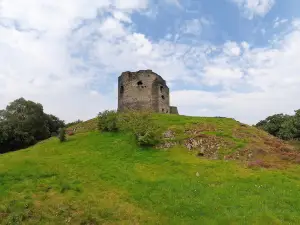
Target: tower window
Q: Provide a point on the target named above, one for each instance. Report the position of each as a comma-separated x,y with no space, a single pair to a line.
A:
122,89
163,97
139,83
161,88
163,110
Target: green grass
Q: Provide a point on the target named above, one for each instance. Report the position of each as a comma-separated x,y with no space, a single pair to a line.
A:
296,144
105,178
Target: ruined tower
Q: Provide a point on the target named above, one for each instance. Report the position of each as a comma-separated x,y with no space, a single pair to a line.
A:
143,90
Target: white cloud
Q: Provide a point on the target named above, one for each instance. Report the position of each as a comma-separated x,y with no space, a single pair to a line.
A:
121,16
112,28
130,5
278,22
71,65
261,82
253,8
245,45
232,49
215,75
36,43
194,26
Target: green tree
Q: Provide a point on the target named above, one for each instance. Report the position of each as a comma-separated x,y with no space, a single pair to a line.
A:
24,123
62,135
54,123
283,126
273,124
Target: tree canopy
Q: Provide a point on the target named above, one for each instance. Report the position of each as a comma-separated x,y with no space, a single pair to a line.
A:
286,127
23,123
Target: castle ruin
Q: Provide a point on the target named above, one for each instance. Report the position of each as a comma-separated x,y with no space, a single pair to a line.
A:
144,90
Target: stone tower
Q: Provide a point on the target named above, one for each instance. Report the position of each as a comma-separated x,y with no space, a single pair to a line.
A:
143,90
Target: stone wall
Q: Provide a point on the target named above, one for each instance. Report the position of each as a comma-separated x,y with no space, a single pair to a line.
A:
173,110
143,90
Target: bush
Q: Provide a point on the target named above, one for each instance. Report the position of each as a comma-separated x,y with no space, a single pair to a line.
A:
107,121
141,125
62,135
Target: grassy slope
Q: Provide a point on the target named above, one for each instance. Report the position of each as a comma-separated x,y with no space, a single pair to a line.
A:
105,179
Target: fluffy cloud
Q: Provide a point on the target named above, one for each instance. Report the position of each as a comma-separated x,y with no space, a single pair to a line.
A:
68,57
252,8
261,82
36,52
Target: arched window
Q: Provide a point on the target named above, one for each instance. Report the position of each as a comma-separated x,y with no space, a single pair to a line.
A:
122,89
163,97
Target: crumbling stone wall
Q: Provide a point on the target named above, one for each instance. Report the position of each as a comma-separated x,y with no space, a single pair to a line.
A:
173,110
143,90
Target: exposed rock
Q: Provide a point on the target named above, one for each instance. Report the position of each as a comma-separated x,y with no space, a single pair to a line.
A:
166,145
207,145
169,134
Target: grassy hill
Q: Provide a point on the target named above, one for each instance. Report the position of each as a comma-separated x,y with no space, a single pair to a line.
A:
105,178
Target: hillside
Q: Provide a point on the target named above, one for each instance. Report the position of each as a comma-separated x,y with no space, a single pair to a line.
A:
218,138
104,178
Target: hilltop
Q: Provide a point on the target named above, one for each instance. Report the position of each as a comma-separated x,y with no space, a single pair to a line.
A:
201,174
217,138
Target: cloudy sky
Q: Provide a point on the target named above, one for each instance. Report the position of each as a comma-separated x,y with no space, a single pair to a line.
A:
232,58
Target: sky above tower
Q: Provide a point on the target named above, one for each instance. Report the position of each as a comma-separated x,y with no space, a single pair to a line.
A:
232,58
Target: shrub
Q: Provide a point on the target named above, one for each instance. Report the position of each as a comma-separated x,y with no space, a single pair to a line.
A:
107,120
141,125
62,135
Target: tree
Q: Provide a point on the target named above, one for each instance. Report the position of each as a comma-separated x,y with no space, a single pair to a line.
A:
24,123
54,123
62,135
272,124
283,126
27,117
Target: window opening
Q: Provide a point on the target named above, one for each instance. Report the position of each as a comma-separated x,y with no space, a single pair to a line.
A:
161,88
163,97
140,83
122,89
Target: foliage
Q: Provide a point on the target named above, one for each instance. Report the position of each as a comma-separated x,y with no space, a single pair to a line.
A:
62,135
141,125
107,120
24,123
273,124
54,123
283,126
54,134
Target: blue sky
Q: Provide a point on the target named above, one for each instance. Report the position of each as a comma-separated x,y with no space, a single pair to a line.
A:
233,58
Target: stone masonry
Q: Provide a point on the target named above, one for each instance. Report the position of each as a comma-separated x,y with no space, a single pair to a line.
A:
144,90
